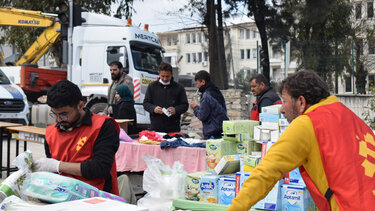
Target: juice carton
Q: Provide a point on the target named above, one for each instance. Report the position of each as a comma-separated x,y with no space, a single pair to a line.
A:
226,190
228,164
216,149
240,179
209,188
294,197
294,178
192,188
272,201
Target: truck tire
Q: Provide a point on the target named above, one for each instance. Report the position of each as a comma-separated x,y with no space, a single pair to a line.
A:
98,108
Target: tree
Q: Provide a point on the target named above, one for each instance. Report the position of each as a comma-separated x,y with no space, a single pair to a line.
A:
23,37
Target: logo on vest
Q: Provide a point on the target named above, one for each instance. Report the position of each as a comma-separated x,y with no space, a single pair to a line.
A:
81,143
364,151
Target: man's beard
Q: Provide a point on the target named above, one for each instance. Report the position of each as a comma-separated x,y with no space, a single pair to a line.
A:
115,77
71,124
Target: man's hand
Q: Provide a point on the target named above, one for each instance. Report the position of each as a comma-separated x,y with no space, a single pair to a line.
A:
193,104
158,110
171,110
47,164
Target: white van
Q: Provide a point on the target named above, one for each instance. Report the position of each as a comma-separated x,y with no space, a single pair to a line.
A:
13,102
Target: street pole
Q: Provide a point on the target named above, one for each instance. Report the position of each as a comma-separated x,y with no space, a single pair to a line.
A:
287,58
70,43
353,66
258,59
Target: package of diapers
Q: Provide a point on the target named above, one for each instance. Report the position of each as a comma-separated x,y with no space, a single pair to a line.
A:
55,188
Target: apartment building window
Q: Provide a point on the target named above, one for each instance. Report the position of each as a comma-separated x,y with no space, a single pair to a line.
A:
199,35
199,57
358,10
187,38
254,53
169,41
174,40
193,37
242,53
371,46
242,34
205,56
371,80
370,10
248,52
247,34
168,59
359,46
194,57
188,57
205,37
254,34
348,84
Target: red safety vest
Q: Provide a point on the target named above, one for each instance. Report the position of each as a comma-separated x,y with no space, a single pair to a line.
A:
347,149
77,146
254,114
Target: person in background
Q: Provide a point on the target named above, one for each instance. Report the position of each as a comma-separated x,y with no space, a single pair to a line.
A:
119,77
333,148
81,144
125,107
168,95
212,110
266,96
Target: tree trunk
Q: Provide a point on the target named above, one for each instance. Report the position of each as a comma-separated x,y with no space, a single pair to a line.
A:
212,44
222,66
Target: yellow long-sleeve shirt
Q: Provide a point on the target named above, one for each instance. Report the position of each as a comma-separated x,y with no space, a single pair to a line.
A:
297,146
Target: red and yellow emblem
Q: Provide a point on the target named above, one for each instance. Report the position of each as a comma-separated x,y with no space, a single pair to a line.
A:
81,143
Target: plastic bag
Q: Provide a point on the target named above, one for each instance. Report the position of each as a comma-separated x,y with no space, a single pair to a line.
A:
162,181
56,188
155,204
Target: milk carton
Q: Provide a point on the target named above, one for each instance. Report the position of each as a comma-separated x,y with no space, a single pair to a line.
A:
226,190
294,197
272,201
192,188
209,188
240,179
294,178
216,149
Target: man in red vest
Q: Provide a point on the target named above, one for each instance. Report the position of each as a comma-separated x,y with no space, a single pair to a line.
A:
81,144
266,96
333,148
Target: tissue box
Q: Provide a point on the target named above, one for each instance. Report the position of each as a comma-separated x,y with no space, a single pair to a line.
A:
294,177
216,149
228,164
296,198
264,117
272,201
240,179
248,162
192,189
209,188
273,109
226,190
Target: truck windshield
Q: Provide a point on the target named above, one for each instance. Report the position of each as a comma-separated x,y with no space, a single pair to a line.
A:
3,78
145,57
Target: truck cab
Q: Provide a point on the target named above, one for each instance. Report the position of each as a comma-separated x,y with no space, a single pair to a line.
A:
103,39
13,102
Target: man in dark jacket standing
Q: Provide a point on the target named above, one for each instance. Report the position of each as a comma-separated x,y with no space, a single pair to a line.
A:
212,110
266,96
165,100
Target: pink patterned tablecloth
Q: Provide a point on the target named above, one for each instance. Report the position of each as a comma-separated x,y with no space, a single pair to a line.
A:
129,156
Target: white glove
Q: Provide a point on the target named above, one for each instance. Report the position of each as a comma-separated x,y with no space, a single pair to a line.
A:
47,164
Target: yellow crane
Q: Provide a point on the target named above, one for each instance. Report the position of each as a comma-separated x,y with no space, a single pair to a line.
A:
28,18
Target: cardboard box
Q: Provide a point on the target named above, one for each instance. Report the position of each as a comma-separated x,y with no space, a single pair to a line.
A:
270,125
272,201
228,164
294,178
216,149
265,147
227,187
240,179
273,109
239,126
295,197
247,147
264,117
248,162
261,134
275,135
209,188
283,122
192,189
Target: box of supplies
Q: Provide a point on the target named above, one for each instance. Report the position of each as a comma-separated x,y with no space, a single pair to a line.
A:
273,200
215,150
264,117
273,109
228,164
226,189
294,197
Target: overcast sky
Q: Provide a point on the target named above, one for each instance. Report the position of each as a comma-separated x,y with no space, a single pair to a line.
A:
155,13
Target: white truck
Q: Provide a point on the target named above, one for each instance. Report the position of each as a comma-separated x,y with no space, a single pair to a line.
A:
96,43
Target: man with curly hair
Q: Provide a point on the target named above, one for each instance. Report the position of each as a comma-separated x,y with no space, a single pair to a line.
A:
333,148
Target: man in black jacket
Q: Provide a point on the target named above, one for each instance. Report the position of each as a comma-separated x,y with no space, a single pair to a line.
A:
165,100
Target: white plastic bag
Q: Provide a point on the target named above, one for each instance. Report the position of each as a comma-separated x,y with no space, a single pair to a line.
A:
162,181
